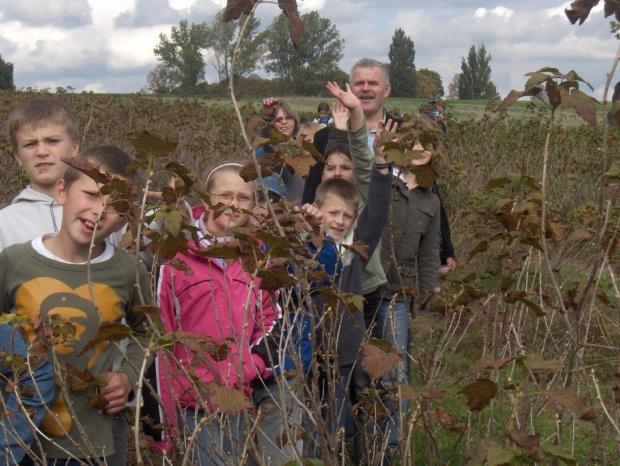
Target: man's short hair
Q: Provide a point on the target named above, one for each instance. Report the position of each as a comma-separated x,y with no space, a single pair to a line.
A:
370,63
41,111
113,160
338,187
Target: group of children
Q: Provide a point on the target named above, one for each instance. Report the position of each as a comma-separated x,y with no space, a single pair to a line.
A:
59,267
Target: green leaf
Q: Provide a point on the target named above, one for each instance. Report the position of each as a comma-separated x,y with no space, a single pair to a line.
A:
275,277
533,307
557,452
172,219
535,363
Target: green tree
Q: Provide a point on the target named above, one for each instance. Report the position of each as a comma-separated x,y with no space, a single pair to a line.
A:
221,42
428,84
306,69
6,75
475,78
159,81
181,55
401,65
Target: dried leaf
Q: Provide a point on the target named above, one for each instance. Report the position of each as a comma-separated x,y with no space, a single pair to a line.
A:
228,400
423,325
171,218
235,8
146,145
108,331
79,380
289,9
360,248
562,400
479,393
429,393
447,422
484,365
379,361
301,163
275,277
529,444
584,105
97,402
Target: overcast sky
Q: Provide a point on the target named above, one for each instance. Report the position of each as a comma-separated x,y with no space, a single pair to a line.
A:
107,45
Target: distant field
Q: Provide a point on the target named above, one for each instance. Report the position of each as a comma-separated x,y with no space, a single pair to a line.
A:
459,109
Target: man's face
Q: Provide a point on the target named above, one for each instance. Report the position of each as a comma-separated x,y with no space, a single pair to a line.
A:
39,151
338,216
370,87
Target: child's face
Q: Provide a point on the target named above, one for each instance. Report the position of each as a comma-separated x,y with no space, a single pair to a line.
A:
323,113
423,157
229,188
39,151
82,203
284,124
338,166
338,216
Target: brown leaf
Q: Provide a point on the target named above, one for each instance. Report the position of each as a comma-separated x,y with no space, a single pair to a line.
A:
429,393
379,361
360,248
146,145
37,353
584,105
108,331
423,325
513,96
447,422
562,400
484,365
580,10
97,402
79,381
289,9
275,277
479,393
180,264
529,443
301,163
228,400
235,8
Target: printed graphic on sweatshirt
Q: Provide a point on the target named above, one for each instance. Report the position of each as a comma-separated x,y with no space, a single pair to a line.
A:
47,296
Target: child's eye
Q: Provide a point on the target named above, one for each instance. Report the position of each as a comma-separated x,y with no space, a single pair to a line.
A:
245,200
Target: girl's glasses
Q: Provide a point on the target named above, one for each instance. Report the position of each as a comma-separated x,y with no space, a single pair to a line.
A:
227,198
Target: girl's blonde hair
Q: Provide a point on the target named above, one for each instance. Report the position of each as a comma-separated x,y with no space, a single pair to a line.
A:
231,167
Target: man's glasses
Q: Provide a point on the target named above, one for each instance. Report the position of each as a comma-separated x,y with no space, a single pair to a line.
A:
227,198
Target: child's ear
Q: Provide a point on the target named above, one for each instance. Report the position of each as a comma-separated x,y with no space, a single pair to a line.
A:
60,192
76,148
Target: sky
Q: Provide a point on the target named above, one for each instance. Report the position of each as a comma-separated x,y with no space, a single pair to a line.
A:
107,45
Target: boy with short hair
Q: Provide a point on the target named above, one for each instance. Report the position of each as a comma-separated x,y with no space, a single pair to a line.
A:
42,132
336,206
61,275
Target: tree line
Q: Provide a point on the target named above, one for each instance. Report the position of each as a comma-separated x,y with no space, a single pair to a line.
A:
189,48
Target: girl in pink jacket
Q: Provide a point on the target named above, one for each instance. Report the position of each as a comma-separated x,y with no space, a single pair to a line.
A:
225,305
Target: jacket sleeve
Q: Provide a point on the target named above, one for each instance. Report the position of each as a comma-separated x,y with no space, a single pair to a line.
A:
138,323
267,314
363,160
446,249
428,257
374,216
165,363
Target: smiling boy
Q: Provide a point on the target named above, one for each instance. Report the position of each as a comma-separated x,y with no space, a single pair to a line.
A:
59,274
42,132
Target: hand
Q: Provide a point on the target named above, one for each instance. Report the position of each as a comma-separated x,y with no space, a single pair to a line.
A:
389,126
311,216
451,263
116,391
158,195
270,107
346,98
340,115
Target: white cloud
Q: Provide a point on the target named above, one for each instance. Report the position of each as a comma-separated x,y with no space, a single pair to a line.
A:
94,87
182,4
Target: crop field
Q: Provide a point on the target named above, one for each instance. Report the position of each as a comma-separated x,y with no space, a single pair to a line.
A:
521,364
